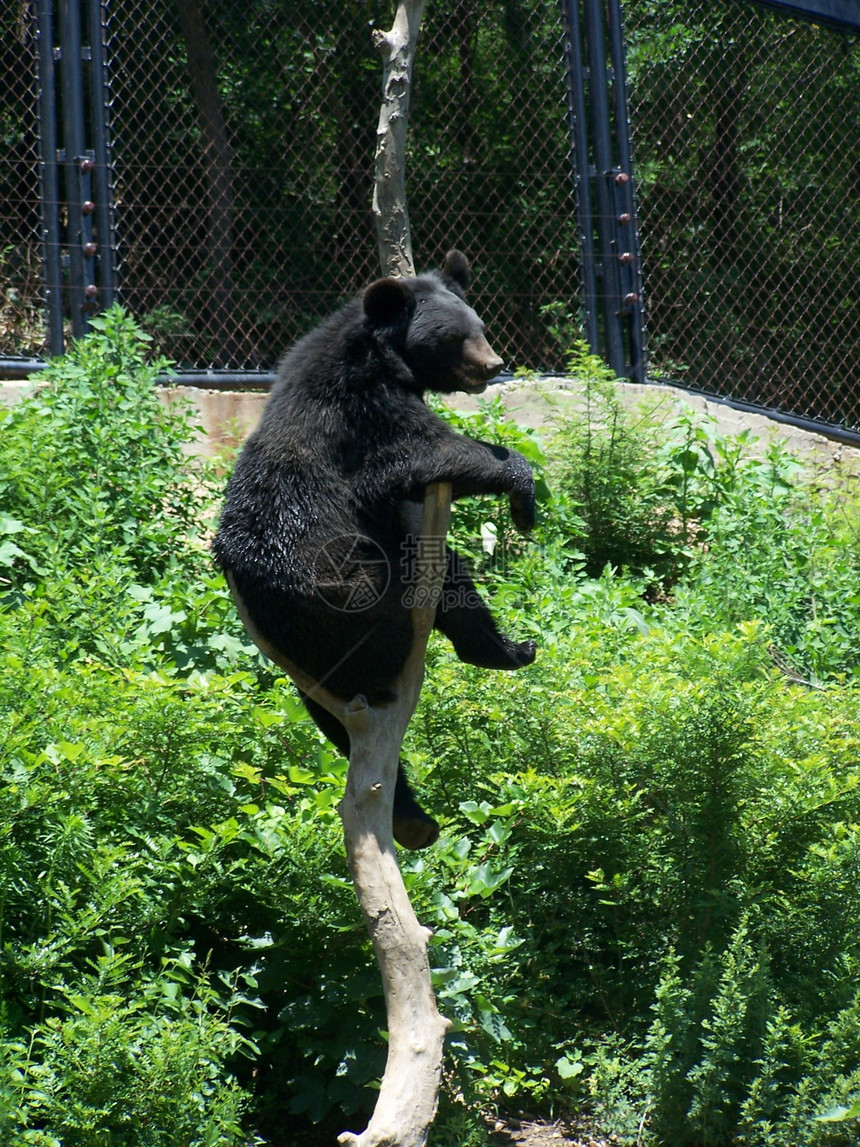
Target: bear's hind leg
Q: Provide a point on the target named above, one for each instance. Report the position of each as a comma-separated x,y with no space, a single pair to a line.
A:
467,623
413,827
327,724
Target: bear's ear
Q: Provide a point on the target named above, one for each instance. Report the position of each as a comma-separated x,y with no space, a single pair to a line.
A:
385,300
457,269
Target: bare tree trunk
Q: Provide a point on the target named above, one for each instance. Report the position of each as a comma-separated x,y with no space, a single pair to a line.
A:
724,172
409,1093
218,160
389,196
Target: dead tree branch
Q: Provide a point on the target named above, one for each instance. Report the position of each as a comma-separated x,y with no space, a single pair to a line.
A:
409,1093
389,195
408,1097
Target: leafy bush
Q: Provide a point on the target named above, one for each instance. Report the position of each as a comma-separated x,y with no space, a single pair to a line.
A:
130,1063
105,518
94,462
619,510
721,1064
644,898
689,781
782,551
681,805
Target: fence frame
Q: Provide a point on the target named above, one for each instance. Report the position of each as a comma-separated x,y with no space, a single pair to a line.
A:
75,76
88,184
603,174
838,13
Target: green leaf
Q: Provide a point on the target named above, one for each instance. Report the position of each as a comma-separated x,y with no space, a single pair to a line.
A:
567,1068
494,1026
476,813
839,1114
484,880
9,553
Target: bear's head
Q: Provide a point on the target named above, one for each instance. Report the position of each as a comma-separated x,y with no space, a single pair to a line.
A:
429,322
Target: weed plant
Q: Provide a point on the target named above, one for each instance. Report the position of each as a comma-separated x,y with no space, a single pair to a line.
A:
645,897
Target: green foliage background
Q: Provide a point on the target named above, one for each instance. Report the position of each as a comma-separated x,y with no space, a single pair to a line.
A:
645,896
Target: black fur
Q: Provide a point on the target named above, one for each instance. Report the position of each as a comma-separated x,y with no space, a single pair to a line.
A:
327,491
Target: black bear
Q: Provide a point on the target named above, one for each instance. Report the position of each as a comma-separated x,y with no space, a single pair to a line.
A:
317,534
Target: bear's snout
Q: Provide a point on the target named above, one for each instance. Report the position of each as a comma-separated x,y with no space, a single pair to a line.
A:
480,361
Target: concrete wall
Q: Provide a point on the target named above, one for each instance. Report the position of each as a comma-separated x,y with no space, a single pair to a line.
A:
227,417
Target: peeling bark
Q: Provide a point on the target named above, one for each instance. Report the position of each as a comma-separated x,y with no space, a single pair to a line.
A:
409,1093
408,1097
389,196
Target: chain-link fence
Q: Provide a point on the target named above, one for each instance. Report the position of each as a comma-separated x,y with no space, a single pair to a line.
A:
746,131
22,319
242,144
243,135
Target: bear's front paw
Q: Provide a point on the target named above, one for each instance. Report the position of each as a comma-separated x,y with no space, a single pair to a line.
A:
523,511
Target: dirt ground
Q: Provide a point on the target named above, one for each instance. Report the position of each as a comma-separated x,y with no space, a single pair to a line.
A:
528,1132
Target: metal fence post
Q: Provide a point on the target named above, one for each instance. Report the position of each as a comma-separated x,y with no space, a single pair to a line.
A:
625,216
603,169
89,239
77,206
581,168
105,231
49,177
601,139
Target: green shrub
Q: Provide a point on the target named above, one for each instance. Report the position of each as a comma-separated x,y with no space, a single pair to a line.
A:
685,800
627,496
721,1063
131,1062
93,462
105,514
781,550
644,898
